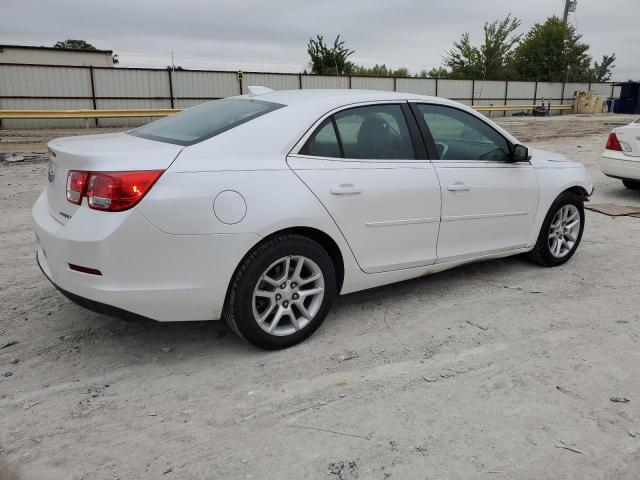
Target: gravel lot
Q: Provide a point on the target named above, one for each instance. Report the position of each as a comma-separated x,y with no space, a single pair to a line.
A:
498,370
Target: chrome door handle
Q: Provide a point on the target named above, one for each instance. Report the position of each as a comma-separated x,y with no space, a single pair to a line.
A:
458,187
345,189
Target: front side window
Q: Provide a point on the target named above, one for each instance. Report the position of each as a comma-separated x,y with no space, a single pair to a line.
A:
458,135
204,121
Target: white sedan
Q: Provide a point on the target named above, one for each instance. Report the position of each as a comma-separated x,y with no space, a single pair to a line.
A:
621,157
260,209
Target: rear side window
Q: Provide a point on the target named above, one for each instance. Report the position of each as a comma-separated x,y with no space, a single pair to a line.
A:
204,121
323,143
375,132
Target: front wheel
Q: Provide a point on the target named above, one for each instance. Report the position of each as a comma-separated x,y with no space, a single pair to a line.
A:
281,292
561,231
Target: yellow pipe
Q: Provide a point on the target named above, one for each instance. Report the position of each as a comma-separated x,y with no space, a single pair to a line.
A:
28,114
502,108
162,112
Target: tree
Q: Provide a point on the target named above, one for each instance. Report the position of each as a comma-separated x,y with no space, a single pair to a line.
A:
489,61
601,72
329,60
379,71
439,72
553,52
73,44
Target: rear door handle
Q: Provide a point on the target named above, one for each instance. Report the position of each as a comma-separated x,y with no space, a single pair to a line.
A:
345,189
458,186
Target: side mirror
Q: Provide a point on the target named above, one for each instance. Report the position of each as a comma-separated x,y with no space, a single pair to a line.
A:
520,153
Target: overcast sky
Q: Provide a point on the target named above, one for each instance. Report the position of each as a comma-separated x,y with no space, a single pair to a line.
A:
272,35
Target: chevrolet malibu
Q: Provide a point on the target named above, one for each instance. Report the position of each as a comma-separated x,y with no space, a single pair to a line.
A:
261,208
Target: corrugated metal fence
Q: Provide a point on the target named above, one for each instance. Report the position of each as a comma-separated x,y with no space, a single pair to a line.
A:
76,87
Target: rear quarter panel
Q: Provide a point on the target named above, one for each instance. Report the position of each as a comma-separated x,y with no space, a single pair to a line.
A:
182,203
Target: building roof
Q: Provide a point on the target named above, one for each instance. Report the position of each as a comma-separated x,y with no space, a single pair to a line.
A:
32,47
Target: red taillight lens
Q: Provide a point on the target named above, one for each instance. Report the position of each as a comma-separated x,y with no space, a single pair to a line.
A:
613,143
117,191
76,183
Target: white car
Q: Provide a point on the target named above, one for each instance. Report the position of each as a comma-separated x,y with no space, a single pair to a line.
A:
621,157
262,208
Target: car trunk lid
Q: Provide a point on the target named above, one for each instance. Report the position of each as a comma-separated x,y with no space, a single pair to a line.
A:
104,152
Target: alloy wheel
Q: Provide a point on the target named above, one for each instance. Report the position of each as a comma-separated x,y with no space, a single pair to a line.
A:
564,231
288,295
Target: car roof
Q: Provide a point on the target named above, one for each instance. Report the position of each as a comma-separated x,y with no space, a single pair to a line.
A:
332,98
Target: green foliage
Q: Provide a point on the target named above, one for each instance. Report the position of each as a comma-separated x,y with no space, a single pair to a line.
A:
490,60
439,72
73,44
552,51
329,60
601,72
379,71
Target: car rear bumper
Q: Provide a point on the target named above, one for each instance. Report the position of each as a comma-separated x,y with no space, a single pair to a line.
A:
92,304
144,271
619,165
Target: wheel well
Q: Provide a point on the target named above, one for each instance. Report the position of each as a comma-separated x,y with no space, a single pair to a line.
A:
325,241
579,191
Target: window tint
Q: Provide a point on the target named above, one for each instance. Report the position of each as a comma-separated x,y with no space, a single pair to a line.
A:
323,143
204,121
375,132
461,136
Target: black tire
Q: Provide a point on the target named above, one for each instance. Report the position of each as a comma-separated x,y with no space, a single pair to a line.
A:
238,310
631,184
542,251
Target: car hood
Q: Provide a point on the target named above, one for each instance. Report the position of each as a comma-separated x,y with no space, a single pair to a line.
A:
547,159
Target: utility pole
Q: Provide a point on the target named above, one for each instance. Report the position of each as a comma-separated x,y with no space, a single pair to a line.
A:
569,6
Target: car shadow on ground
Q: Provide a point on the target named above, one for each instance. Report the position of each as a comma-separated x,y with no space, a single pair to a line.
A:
94,335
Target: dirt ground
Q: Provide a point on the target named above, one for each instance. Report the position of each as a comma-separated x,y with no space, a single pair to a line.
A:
497,370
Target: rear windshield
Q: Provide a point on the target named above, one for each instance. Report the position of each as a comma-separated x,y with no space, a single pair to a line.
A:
204,121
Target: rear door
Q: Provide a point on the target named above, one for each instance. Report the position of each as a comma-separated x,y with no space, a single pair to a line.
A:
368,167
488,202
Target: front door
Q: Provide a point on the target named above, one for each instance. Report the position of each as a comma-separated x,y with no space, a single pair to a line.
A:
488,201
369,170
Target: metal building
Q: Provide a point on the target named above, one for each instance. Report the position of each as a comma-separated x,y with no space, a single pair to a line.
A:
55,56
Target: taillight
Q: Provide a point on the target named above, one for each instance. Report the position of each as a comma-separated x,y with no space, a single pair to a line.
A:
613,143
76,183
115,191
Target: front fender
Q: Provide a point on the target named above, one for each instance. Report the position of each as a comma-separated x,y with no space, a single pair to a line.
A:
553,182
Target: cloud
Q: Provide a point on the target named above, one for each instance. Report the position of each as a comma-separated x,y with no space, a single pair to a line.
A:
272,35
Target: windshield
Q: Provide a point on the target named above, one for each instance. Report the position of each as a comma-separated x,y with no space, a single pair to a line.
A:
204,121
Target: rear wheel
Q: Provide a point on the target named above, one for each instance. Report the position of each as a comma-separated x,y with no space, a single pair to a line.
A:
282,292
561,231
632,184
